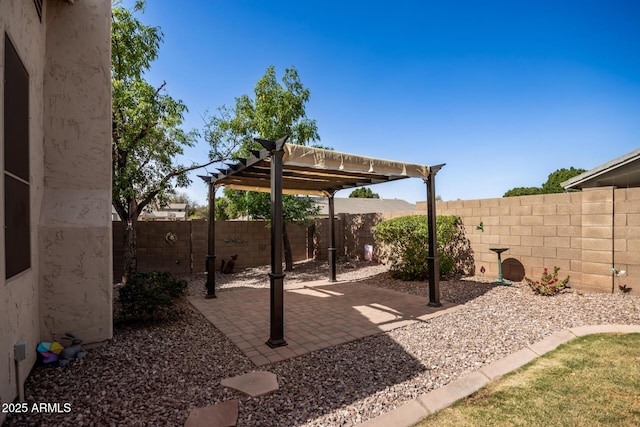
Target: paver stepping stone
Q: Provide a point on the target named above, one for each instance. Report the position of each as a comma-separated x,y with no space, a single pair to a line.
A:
254,383
223,414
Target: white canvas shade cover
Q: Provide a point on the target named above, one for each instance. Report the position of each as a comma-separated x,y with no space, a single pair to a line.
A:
315,171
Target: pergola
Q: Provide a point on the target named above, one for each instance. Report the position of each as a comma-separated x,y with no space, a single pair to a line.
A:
281,168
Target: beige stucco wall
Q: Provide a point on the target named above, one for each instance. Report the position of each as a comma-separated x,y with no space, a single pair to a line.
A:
584,233
75,221
19,311
68,287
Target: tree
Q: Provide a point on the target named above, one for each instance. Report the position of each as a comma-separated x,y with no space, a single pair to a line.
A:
295,210
201,212
275,111
556,178
551,186
523,191
146,129
182,197
221,212
363,193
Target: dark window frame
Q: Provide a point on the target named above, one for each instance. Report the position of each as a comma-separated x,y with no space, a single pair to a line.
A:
16,168
38,5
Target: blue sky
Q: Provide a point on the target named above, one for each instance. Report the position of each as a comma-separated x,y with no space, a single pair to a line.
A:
504,93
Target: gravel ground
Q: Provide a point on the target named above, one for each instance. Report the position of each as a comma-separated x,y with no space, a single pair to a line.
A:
152,376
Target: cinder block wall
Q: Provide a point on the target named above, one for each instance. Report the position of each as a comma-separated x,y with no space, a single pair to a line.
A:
584,233
321,238
157,252
250,240
353,231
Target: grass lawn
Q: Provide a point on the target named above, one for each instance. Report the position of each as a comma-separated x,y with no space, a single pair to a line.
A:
589,381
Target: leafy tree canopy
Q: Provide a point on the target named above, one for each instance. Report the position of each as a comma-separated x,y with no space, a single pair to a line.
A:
364,193
146,129
277,109
523,191
552,185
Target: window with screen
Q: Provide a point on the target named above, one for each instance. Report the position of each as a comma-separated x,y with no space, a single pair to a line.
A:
17,236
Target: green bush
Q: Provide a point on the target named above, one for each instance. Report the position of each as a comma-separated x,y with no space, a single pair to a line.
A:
150,296
403,242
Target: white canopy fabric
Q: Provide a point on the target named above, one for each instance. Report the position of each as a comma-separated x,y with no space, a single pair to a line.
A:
315,171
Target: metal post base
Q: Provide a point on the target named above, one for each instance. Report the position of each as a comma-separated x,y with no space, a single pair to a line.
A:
211,277
332,264
434,304
276,338
276,343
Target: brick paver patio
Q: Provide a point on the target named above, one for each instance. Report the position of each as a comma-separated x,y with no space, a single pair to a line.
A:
317,315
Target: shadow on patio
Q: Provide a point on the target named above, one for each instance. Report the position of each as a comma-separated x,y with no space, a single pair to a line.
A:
316,316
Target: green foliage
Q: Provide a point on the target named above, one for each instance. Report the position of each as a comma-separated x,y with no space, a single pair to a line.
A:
556,178
221,212
277,109
551,186
404,242
146,128
549,284
150,296
523,191
200,212
146,133
295,209
364,193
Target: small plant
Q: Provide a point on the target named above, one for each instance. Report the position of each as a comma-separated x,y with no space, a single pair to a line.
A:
619,273
549,284
150,296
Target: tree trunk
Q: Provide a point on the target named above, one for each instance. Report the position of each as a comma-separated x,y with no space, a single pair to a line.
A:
130,257
288,257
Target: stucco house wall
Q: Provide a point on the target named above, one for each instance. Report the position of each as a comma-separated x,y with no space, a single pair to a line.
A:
67,288
19,311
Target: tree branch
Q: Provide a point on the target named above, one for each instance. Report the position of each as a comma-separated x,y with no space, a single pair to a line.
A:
161,185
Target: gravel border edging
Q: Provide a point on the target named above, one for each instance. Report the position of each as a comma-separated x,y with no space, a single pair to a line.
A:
429,403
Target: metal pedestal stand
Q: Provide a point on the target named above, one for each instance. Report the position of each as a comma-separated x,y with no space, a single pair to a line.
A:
500,280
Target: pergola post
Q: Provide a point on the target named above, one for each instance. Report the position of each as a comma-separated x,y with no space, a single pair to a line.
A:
332,240
433,263
276,277
211,244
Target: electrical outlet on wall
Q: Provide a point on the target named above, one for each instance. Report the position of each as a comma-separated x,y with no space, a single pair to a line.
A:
20,351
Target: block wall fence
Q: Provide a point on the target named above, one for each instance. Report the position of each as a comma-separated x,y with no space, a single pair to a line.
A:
250,240
584,233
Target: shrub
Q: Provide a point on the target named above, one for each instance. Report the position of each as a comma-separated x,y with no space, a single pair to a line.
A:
150,296
549,284
403,242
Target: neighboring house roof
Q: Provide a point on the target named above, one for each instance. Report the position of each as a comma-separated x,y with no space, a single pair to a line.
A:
622,172
164,214
172,212
362,206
